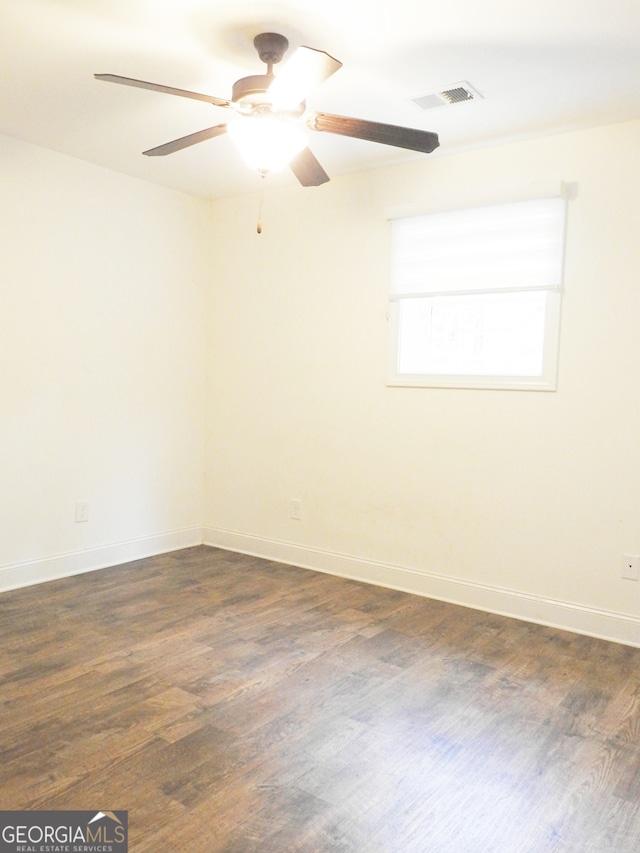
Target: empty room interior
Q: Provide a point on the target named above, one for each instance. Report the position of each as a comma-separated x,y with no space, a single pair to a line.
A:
271,577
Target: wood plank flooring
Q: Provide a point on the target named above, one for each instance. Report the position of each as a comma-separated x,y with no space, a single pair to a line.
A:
234,704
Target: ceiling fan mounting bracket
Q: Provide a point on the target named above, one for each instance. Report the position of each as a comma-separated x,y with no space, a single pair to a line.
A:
271,47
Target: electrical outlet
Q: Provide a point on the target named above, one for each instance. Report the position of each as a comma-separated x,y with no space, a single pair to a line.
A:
82,511
631,566
296,509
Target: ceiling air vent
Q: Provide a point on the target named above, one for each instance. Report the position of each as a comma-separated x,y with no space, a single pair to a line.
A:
459,93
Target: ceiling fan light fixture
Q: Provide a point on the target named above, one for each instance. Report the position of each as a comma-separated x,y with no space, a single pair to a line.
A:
266,143
268,106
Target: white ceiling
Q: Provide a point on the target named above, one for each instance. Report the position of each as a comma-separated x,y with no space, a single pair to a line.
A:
542,67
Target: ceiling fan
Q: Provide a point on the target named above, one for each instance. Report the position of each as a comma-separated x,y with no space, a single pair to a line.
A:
271,114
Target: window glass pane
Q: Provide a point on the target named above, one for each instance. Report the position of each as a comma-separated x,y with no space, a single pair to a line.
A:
498,334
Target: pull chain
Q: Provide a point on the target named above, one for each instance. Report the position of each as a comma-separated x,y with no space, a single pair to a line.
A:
263,175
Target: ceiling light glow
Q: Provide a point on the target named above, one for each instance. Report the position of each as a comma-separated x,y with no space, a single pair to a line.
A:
266,143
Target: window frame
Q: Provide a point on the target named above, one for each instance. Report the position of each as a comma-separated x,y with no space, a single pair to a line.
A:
547,380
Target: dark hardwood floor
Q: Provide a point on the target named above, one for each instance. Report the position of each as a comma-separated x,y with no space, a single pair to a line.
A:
234,704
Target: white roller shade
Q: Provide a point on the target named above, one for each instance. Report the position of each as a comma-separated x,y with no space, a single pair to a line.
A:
515,246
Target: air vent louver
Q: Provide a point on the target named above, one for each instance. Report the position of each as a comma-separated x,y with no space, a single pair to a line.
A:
454,96
458,93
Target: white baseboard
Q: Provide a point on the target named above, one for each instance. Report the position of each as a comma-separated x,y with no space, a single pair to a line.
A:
606,625
76,563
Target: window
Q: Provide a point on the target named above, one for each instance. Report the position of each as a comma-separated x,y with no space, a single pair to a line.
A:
475,296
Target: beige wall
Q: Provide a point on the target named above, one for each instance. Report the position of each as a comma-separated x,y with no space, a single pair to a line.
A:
521,502
150,341
103,283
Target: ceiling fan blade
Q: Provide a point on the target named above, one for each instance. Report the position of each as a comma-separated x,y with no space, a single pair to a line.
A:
168,90
304,71
307,169
186,141
373,131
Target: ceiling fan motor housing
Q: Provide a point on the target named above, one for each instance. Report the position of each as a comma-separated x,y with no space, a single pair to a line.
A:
251,90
